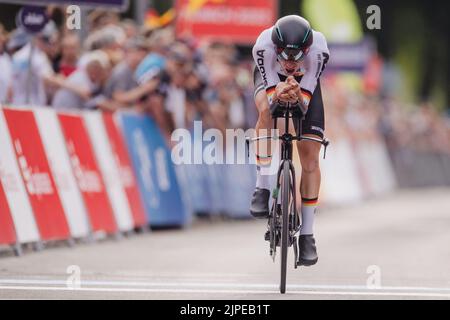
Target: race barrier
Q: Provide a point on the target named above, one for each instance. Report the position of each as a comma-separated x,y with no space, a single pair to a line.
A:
156,174
87,173
126,173
37,177
419,169
71,175
109,170
7,231
14,189
72,201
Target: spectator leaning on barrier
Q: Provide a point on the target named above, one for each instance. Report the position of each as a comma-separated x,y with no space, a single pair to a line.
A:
122,86
5,67
152,69
86,85
110,39
179,64
196,106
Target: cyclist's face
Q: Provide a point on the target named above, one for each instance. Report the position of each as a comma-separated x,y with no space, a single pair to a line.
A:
290,66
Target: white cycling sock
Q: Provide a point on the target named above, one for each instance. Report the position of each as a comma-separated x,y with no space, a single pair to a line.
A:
262,180
308,208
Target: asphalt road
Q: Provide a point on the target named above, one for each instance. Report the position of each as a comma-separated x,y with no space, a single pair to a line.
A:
395,247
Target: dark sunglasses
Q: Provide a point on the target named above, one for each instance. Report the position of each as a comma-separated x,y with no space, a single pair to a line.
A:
291,54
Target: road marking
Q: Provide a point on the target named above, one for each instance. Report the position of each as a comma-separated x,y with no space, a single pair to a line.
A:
216,285
203,291
230,288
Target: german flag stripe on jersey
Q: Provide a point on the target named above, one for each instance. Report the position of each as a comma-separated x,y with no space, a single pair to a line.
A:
270,92
306,96
306,93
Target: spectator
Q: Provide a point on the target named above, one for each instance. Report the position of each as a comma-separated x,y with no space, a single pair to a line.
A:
177,67
110,39
70,52
17,40
122,86
5,67
86,85
152,68
130,28
31,78
100,18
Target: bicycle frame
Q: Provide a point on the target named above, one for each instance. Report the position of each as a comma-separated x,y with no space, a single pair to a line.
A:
292,218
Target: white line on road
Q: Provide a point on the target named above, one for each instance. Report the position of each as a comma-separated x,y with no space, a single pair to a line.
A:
203,291
184,287
216,285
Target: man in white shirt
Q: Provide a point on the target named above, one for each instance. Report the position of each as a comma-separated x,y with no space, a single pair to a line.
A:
32,69
83,88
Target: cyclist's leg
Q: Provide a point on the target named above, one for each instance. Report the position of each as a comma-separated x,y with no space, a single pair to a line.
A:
313,126
260,201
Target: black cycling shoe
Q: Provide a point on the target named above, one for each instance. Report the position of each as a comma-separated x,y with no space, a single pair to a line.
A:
307,250
259,207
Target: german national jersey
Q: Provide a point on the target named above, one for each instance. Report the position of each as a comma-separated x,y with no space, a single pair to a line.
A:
265,56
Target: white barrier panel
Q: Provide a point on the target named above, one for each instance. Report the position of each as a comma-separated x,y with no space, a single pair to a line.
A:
341,182
14,188
59,161
374,160
110,172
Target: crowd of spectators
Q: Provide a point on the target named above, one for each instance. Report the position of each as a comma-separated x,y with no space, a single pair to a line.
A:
120,65
417,138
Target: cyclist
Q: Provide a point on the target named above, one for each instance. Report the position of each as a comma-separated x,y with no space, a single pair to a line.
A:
290,57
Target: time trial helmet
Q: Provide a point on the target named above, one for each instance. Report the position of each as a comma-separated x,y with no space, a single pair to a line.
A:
292,35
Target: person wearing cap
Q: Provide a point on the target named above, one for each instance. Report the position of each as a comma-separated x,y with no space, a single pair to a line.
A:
33,77
122,86
17,40
32,69
178,66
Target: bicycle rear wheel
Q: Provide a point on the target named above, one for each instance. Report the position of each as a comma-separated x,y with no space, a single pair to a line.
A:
285,199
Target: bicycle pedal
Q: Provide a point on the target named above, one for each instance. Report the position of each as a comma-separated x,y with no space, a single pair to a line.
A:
267,236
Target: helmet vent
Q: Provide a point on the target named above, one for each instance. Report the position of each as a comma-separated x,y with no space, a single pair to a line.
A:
279,33
306,36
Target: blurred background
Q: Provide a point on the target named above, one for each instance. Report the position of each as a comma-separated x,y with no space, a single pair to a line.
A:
386,85
385,180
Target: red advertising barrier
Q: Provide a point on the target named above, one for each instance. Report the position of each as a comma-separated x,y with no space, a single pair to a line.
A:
123,162
236,21
7,231
87,173
36,174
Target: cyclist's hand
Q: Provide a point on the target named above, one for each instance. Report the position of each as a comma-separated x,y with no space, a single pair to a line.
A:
284,92
296,88
294,85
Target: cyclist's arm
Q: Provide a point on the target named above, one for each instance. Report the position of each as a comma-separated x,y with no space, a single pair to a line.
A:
265,59
315,63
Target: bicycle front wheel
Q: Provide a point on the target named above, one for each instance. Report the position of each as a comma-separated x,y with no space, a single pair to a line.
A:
285,199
